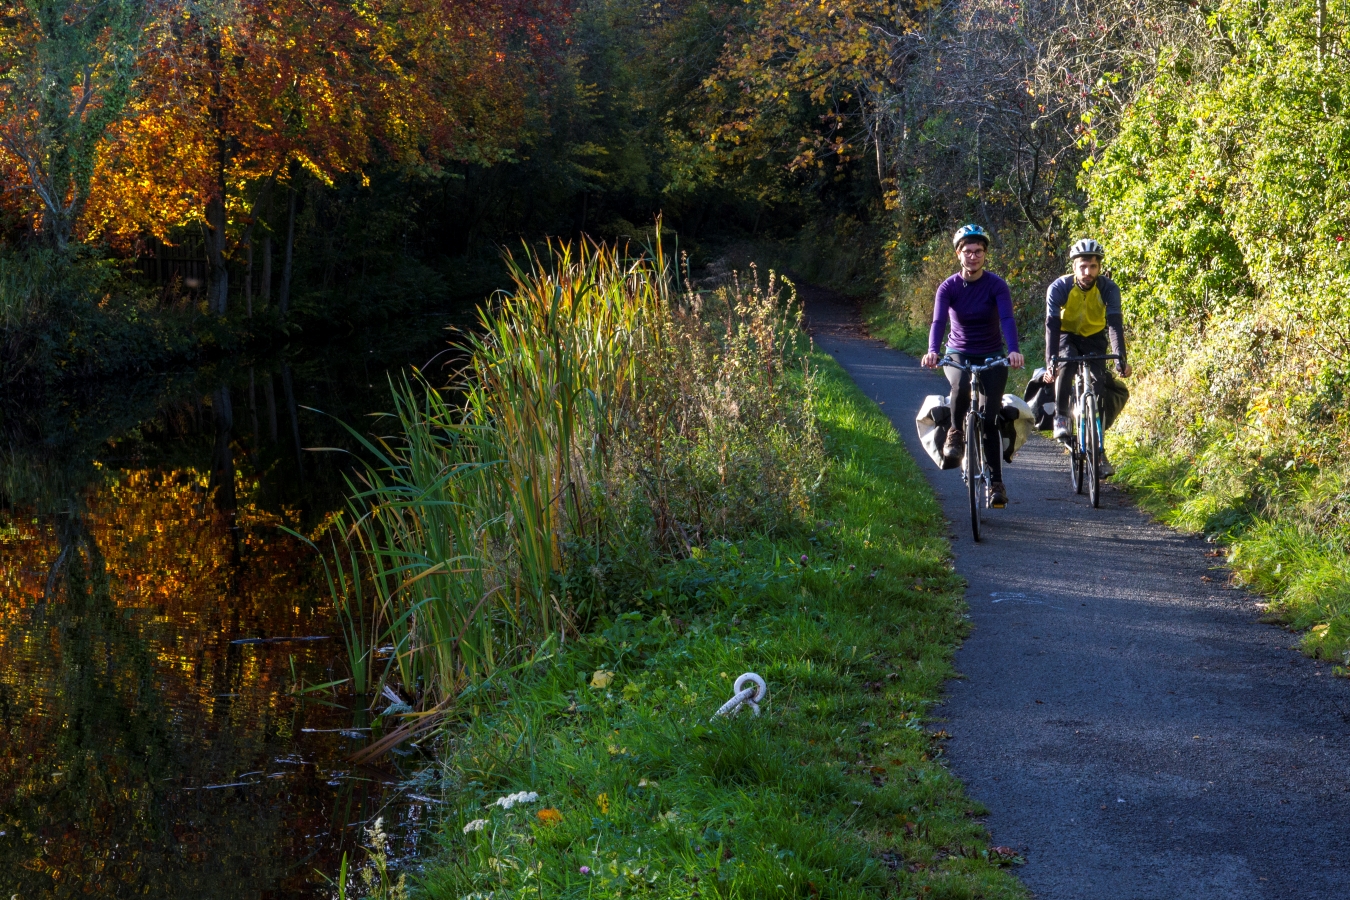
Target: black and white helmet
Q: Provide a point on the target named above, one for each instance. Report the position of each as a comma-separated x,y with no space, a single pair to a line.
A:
1087,247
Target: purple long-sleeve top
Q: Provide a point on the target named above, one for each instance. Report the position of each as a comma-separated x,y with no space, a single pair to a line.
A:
976,310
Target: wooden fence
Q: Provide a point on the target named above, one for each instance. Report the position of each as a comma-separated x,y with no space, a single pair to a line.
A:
185,261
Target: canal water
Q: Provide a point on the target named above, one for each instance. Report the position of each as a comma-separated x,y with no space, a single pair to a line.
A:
158,629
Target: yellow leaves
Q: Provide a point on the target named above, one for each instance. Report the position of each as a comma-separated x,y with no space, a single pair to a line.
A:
549,817
319,83
823,52
602,679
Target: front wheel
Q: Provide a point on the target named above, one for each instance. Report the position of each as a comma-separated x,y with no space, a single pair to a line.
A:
1093,461
974,469
1076,456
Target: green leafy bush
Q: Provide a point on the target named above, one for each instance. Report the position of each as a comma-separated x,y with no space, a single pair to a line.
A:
67,315
1225,208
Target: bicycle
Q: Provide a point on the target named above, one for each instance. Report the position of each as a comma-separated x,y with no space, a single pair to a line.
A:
1088,429
975,470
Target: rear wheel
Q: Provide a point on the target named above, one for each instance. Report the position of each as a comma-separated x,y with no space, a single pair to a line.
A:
974,470
1094,451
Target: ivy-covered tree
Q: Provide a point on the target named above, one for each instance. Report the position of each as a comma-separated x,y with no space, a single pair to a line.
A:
67,73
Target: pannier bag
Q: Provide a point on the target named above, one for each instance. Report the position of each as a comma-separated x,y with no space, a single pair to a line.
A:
1114,397
935,418
933,421
1041,398
1018,422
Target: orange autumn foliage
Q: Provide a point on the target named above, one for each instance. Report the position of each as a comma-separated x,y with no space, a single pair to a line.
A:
237,95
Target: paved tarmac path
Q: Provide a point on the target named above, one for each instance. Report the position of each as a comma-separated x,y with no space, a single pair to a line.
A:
1131,726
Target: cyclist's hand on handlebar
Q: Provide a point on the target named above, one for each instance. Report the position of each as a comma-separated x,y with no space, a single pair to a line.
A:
1049,376
929,361
1125,370
1016,360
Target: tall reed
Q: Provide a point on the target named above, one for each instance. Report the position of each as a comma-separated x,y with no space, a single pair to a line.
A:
600,414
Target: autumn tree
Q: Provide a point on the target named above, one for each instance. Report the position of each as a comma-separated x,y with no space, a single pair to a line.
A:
67,69
985,107
242,98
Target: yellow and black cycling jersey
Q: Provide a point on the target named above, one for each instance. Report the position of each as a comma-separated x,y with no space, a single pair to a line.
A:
1081,312
1072,311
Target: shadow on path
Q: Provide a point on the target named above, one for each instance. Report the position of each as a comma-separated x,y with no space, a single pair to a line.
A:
1130,725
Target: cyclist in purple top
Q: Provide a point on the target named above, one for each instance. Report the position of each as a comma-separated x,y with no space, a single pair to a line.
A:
978,306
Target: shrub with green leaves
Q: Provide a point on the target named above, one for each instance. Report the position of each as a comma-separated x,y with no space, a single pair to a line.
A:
78,314
1224,207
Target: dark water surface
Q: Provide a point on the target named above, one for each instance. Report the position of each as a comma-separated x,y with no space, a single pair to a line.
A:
144,750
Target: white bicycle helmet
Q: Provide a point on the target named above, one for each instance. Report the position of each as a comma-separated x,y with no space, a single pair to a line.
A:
970,232
1087,247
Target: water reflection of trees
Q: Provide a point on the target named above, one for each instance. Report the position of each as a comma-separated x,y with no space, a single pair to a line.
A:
124,703
138,536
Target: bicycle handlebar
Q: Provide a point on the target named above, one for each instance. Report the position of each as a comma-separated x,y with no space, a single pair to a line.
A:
1089,358
971,367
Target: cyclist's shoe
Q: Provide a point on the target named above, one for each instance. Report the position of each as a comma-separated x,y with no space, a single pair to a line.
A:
1104,468
955,445
1062,428
998,495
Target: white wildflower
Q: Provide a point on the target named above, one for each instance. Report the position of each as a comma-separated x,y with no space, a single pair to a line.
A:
511,800
475,825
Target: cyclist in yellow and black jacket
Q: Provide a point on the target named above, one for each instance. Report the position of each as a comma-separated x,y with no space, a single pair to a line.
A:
1081,311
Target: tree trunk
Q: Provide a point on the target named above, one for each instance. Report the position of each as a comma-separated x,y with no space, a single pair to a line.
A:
271,394
265,288
979,175
253,411
289,388
1321,29
285,298
219,291
248,278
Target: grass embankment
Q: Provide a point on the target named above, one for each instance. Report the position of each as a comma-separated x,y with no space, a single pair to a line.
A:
837,790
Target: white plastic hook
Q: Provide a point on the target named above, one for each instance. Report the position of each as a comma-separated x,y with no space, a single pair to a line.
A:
750,696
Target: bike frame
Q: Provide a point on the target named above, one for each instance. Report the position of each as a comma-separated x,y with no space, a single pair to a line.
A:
975,469
1089,431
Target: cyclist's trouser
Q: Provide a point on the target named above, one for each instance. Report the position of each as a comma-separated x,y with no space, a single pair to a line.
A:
1077,345
992,382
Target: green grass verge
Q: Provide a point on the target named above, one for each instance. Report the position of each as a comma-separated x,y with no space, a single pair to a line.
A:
884,325
837,790
1305,573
